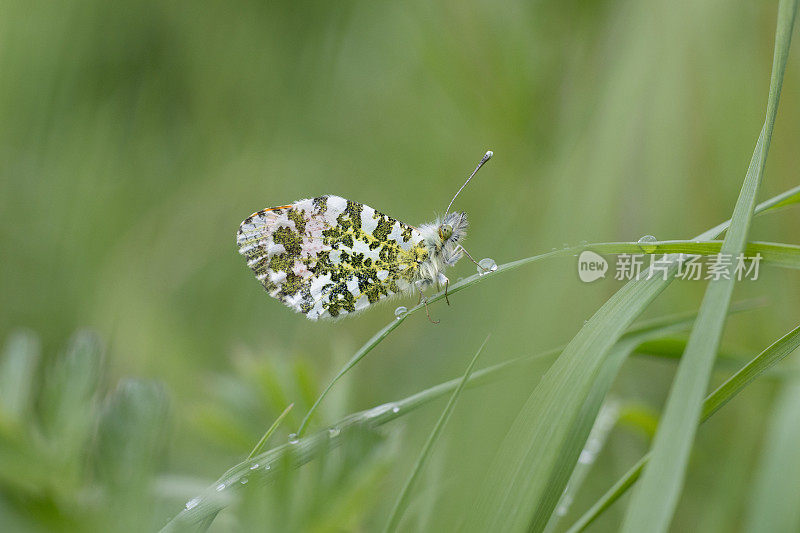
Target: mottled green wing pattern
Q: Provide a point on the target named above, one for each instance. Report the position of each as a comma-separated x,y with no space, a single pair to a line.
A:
328,256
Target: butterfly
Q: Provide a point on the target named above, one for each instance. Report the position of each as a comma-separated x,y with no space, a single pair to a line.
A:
327,257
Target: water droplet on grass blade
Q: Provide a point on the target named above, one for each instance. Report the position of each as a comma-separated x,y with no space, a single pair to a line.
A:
254,466
191,504
486,265
400,311
586,457
646,244
243,481
293,439
220,487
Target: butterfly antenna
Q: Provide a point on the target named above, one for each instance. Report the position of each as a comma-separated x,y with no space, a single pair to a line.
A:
485,158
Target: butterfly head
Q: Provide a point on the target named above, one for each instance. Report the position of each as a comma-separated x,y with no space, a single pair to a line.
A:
452,228
450,231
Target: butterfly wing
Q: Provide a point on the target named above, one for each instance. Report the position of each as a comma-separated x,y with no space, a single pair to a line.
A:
328,256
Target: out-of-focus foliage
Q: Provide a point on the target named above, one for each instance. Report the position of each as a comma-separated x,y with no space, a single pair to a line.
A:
135,136
75,455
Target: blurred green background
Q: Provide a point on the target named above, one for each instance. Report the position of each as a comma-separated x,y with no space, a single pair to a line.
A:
135,136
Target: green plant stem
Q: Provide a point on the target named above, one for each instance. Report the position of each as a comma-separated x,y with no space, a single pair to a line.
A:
402,501
260,445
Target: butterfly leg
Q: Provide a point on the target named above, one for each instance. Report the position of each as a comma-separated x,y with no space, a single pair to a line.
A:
428,313
424,300
442,279
471,259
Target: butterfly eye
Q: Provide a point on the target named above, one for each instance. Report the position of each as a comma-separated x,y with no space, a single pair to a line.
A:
445,231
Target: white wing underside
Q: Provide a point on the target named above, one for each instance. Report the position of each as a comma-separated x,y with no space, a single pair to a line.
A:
312,255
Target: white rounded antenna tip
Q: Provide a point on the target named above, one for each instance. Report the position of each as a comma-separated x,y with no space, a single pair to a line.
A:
488,155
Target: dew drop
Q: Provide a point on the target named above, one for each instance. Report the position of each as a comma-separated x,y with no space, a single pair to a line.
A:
243,481
293,438
563,506
400,311
334,432
220,487
486,265
191,504
255,465
267,467
395,409
646,244
584,243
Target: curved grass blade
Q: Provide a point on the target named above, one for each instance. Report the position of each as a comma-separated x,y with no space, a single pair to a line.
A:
785,255
391,326
606,420
778,254
795,198
218,495
533,464
772,506
785,198
655,498
263,441
402,501
775,353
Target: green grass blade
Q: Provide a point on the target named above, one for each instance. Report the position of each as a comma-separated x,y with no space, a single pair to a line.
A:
773,505
713,402
358,356
791,200
213,499
391,326
788,197
534,462
402,501
263,441
779,200
212,504
778,254
654,501
532,466
606,420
